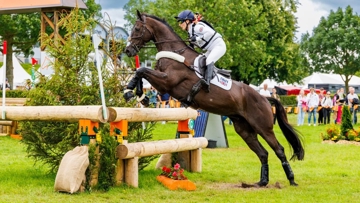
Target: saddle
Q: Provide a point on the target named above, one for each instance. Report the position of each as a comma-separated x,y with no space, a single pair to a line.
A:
202,66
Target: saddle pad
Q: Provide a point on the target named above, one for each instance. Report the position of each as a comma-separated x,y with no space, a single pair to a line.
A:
218,80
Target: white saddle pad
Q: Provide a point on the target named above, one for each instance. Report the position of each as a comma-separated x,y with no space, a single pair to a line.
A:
218,80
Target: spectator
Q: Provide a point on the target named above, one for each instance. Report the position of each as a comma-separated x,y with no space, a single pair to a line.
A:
28,84
7,85
327,105
301,105
312,101
353,101
338,101
152,94
321,96
276,96
164,100
265,92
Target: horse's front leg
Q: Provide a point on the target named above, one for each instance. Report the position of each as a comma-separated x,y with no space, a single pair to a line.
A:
136,82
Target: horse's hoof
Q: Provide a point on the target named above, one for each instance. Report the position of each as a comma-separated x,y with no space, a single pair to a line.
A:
145,101
292,183
261,184
128,95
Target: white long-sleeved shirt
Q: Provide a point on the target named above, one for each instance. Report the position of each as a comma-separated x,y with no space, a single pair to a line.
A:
312,100
327,101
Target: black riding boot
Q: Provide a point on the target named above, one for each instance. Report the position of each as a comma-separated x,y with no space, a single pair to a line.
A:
208,76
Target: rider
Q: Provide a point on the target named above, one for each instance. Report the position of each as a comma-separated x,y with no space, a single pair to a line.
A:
206,38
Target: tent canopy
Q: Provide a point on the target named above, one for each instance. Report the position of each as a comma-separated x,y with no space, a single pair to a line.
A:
292,90
20,75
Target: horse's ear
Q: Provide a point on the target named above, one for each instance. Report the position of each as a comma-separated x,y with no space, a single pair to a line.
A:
139,15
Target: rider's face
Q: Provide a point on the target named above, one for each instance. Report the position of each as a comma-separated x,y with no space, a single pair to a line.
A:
182,24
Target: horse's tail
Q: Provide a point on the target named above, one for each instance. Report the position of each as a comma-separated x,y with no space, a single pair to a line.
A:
290,134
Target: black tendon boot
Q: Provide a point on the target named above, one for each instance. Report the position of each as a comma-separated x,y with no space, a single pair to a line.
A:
289,173
264,176
128,93
208,76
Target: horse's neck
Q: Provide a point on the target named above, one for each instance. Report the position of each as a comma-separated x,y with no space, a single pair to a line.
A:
167,40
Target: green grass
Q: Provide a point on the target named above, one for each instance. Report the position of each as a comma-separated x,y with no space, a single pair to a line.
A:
329,173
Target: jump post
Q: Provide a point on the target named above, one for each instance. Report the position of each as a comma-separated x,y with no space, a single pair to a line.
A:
128,155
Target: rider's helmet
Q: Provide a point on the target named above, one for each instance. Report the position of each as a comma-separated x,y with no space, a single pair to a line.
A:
185,15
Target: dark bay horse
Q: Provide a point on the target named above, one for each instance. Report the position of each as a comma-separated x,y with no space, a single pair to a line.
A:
250,112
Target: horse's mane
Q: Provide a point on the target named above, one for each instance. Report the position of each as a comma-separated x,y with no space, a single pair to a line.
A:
163,21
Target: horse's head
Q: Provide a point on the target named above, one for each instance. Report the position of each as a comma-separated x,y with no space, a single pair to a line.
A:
140,35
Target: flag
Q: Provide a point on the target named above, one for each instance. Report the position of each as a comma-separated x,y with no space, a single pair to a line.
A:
137,62
4,47
33,61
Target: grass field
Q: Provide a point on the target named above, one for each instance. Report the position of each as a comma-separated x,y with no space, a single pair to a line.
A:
329,173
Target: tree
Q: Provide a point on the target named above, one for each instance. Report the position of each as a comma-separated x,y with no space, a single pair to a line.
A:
22,31
333,46
258,33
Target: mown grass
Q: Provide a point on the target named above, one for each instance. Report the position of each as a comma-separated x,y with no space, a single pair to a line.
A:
329,173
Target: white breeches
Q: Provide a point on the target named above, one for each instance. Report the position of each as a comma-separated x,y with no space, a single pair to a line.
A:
215,51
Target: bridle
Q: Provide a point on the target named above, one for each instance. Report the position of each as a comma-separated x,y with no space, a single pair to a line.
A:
144,28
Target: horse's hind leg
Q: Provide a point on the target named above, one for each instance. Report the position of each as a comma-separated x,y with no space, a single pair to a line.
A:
270,138
243,128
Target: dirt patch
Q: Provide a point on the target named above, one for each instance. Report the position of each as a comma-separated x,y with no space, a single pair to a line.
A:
226,186
341,142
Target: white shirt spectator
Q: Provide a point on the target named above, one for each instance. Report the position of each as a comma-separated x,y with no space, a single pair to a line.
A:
351,96
312,100
265,93
327,102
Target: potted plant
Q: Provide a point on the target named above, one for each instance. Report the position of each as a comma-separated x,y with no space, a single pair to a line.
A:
174,178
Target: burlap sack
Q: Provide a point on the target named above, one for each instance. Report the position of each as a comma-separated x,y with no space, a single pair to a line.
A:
164,160
72,169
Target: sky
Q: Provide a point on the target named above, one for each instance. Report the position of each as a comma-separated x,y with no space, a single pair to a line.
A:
308,14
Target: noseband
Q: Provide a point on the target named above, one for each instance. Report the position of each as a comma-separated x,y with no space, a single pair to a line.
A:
144,28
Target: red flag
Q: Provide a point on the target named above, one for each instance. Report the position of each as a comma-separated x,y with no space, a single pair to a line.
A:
4,47
33,61
137,62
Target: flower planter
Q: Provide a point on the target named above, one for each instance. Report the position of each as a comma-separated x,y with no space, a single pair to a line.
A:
176,184
16,136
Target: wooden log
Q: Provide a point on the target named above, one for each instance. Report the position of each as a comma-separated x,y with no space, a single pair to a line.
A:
120,171
6,123
14,101
151,114
132,171
55,113
196,160
141,149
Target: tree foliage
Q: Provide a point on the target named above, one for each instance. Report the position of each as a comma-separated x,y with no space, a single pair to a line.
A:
333,47
76,82
259,34
22,32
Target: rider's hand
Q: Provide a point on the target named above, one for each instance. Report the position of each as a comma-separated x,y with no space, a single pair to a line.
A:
193,38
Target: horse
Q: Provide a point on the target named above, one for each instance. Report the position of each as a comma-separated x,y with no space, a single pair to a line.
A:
250,112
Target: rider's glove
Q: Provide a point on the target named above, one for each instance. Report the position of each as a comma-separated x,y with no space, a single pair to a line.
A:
193,38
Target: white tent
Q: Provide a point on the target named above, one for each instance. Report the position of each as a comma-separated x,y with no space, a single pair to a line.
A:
20,75
272,83
325,78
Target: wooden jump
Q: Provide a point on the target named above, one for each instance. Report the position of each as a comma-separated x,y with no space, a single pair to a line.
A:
128,155
54,113
151,114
